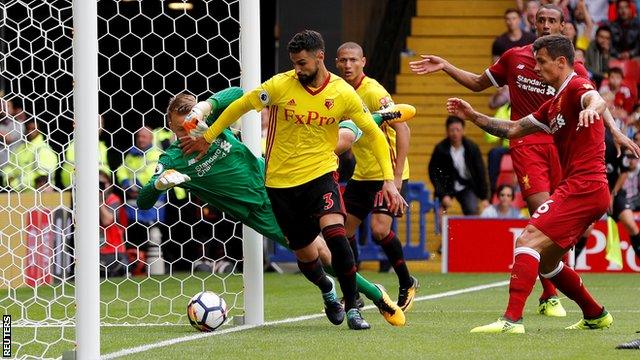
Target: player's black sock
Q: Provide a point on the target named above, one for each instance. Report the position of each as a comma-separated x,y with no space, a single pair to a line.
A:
635,243
313,271
342,262
393,249
582,242
354,249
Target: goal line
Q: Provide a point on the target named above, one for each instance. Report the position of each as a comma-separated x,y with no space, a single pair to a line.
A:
170,342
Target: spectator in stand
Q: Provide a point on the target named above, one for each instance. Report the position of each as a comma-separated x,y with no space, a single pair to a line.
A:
598,10
504,209
569,31
514,36
613,9
624,96
598,54
499,102
113,219
528,9
138,167
69,159
625,33
584,25
30,160
457,171
11,128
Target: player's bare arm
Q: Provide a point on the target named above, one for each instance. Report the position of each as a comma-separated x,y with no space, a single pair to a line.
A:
403,136
379,147
501,128
431,63
593,106
620,140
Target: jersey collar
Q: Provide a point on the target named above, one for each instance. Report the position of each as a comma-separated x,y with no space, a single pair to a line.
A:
359,82
566,81
318,90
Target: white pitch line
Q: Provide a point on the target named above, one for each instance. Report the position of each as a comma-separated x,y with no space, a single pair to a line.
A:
142,348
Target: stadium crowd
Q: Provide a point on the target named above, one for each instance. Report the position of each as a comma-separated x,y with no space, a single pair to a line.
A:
606,36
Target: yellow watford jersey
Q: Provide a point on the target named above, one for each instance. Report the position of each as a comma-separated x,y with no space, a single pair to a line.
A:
303,126
376,98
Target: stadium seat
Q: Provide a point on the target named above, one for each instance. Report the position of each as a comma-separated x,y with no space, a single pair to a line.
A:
507,177
506,164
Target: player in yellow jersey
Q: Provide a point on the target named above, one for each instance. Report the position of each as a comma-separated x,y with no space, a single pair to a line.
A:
305,107
362,194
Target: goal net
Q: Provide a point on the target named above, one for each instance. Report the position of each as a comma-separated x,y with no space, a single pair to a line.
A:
148,52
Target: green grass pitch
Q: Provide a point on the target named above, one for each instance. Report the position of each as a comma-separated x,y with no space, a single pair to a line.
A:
436,328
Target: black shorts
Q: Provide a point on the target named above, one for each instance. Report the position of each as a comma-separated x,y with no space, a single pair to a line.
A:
299,208
620,204
364,196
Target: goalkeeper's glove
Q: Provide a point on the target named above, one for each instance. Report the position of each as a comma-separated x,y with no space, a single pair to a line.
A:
170,178
194,123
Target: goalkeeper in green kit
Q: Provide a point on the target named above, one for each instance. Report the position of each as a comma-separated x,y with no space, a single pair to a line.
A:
230,178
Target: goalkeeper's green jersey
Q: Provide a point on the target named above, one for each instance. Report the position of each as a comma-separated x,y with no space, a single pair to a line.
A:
229,177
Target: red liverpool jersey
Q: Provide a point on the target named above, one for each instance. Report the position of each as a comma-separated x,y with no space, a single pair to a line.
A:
526,89
581,150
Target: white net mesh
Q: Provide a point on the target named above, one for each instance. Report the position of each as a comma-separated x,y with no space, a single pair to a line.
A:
147,53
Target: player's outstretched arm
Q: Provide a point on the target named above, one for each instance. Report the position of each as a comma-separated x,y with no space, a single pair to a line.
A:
158,184
620,140
500,128
432,63
379,147
233,112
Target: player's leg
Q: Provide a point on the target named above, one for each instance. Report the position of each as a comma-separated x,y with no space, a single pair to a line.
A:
264,221
289,211
359,201
570,283
332,225
548,302
529,245
384,236
626,218
351,226
538,170
391,312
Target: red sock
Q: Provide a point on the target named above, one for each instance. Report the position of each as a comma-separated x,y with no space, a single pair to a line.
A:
570,283
548,289
523,278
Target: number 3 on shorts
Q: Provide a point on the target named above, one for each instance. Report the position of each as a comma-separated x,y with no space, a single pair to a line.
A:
328,201
542,209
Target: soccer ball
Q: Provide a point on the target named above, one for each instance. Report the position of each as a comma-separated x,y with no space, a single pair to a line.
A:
207,311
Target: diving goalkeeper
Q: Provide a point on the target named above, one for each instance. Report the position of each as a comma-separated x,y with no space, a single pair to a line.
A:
230,178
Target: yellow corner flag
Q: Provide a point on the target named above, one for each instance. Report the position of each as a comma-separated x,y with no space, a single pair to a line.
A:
613,251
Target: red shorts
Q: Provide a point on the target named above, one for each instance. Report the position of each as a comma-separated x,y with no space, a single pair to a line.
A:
537,167
573,206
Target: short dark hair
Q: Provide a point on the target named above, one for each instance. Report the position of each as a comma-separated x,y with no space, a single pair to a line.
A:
511,10
308,40
506,186
616,70
453,120
627,1
556,45
604,28
551,7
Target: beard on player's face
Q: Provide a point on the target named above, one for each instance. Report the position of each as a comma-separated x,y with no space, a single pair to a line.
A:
308,78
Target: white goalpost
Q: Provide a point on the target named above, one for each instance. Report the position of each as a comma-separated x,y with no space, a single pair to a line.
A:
85,102
119,61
